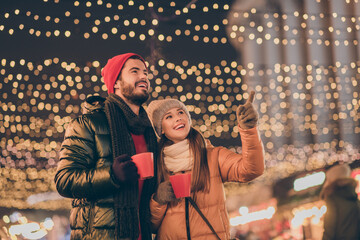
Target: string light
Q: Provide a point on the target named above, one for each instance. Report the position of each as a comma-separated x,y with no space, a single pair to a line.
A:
39,99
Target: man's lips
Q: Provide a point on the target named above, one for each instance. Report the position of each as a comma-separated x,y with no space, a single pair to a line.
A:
142,85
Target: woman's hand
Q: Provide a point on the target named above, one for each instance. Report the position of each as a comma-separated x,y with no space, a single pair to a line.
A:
246,114
164,193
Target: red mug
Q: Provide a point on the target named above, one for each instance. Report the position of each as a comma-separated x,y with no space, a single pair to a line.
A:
181,184
145,164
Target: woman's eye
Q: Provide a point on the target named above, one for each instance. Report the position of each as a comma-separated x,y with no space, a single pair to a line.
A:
167,117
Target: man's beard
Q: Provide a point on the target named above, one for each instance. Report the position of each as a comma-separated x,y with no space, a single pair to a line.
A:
128,91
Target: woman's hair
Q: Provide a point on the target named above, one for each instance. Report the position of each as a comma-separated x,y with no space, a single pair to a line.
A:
200,173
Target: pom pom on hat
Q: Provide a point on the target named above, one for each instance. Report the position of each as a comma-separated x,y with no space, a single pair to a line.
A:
113,68
157,109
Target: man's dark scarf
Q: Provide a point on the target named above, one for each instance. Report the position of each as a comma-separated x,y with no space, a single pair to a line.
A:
122,122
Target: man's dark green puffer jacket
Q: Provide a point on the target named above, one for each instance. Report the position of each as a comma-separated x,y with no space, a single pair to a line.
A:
84,174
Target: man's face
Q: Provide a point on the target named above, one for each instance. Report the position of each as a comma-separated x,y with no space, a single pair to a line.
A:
133,83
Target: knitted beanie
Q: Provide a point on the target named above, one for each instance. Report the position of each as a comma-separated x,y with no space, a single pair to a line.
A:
157,109
113,68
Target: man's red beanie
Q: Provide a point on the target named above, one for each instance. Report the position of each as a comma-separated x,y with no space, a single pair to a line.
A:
113,67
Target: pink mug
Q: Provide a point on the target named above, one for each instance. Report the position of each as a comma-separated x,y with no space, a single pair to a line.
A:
181,184
145,164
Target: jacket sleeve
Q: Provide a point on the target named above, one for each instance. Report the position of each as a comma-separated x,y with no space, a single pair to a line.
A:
77,175
246,166
157,214
330,220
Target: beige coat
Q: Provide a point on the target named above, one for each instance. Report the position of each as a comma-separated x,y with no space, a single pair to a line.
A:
225,166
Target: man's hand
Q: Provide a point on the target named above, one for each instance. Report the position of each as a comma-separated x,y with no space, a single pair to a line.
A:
246,114
125,170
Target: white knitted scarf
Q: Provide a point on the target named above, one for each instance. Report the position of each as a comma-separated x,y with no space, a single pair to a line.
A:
177,157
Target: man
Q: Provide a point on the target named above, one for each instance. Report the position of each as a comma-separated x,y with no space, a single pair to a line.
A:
109,201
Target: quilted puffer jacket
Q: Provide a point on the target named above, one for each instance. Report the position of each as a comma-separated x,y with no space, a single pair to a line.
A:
168,220
84,174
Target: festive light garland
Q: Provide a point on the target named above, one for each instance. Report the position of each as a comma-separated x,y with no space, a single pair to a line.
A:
39,98
56,124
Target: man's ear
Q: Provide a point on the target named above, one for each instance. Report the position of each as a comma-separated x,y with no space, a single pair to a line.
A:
117,84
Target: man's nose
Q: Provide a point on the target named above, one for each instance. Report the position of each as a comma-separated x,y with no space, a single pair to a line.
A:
144,76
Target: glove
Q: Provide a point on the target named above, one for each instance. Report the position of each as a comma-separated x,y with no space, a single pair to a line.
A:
246,114
124,169
164,193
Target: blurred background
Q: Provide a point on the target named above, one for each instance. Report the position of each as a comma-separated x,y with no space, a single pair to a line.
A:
300,56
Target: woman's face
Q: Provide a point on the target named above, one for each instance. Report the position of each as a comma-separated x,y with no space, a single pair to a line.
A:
175,125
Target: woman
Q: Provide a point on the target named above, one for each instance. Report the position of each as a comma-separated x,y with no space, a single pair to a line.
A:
183,149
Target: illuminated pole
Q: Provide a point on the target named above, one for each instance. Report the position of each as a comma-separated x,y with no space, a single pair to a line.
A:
356,28
344,54
319,59
277,98
295,59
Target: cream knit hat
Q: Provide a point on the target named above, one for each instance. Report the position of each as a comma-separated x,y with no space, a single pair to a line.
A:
157,109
